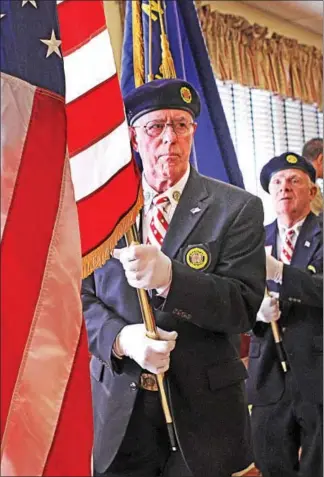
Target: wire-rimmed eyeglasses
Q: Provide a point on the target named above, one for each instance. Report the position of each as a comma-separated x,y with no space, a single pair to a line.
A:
157,128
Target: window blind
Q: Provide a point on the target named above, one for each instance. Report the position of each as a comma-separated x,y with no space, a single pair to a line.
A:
263,125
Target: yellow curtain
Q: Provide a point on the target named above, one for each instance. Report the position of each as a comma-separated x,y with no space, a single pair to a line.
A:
243,53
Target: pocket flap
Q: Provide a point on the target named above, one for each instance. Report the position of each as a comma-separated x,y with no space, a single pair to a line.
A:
254,350
225,374
96,369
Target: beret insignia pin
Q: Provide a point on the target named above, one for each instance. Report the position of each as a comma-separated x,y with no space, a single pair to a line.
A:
176,195
291,159
186,94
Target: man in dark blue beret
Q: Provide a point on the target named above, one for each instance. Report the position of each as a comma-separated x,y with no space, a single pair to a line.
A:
202,261
313,153
287,403
288,160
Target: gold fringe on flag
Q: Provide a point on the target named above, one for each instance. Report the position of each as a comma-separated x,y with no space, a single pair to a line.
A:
138,47
98,257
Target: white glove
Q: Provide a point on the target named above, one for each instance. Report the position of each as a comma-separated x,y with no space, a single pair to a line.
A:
269,310
145,266
274,269
153,355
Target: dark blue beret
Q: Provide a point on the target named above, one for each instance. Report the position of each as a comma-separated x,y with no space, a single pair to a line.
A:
288,160
161,94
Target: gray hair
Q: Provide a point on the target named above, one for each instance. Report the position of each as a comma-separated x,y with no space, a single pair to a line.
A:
312,149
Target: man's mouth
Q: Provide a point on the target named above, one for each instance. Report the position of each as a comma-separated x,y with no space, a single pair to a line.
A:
285,199
169,155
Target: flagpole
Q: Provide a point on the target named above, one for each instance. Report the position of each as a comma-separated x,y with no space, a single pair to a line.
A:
278,341
131,237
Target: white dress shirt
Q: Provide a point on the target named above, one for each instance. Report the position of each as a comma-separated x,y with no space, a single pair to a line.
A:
281,237
173,193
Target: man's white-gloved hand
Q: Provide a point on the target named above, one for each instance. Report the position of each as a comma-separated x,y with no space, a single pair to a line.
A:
274,269
269,310
153,355
145,266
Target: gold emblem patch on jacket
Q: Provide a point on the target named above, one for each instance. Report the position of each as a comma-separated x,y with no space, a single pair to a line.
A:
197,258
311,268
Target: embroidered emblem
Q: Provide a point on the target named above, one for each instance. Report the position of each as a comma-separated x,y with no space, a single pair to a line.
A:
197,258
186,94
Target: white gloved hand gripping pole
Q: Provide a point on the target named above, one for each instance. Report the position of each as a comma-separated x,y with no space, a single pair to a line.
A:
131,237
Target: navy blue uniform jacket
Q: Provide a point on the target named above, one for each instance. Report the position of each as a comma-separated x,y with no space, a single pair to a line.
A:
301,322
206,376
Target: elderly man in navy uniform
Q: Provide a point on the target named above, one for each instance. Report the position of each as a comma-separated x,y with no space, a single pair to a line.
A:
202,260
287,406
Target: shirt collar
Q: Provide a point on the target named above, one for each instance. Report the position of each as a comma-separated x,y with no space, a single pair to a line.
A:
283,229
173,193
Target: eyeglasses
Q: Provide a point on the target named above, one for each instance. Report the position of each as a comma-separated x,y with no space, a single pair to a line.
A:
157,128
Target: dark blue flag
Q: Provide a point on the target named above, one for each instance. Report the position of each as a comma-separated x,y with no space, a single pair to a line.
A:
22,53
213,153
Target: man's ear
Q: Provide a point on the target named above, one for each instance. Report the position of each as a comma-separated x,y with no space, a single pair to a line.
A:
313,191
133,138
320,159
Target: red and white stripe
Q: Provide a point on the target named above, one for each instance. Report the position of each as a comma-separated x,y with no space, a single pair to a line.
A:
98,139
44,365
288,247
158,224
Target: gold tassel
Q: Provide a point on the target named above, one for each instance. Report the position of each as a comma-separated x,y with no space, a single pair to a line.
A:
138,47
167,68
98,257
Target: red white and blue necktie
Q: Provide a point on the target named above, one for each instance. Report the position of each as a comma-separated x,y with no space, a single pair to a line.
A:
158,225
288,247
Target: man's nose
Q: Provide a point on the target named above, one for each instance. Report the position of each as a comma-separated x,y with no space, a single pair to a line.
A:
168,134
284,185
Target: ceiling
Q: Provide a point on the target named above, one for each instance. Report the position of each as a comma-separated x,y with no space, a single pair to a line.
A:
305,13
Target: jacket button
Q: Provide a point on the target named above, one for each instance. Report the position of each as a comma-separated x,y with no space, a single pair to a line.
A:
133,386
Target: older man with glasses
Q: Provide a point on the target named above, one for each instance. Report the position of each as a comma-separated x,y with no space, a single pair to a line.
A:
202,261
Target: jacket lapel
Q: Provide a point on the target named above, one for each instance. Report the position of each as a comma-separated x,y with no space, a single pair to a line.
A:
307,242
191,208
271,238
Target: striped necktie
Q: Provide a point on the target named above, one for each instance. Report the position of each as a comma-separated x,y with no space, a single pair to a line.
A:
288,247
158,224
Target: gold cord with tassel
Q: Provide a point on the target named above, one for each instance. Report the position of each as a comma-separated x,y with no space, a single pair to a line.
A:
138,48
150,76
167,68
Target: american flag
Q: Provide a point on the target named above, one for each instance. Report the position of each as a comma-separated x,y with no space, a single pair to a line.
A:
46,416
105,178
